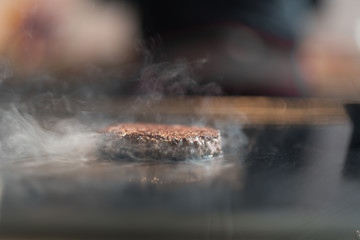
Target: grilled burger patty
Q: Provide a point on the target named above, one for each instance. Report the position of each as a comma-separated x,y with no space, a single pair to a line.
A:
155,141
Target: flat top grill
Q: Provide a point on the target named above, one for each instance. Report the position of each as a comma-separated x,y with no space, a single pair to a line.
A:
284,173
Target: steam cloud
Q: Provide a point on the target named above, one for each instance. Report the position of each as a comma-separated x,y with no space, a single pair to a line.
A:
23,138
47,128
175,79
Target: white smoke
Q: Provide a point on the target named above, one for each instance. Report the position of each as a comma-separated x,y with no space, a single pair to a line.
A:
50,128
175,79
5,70
24,138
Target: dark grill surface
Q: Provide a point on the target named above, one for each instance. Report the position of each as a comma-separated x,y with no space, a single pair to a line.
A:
293,181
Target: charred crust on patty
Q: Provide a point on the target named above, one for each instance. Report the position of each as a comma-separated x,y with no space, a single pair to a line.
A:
157,141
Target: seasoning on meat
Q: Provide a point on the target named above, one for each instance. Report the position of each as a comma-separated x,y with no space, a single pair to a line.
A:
156,141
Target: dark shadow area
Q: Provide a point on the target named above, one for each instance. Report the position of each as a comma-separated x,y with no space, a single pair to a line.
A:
351,168
273,165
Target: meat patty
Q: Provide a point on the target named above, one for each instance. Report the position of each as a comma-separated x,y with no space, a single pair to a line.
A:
156,141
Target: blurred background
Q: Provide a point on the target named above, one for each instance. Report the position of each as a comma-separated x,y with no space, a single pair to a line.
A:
300,48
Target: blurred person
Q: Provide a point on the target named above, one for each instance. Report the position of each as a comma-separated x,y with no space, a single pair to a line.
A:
329,53
63,35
